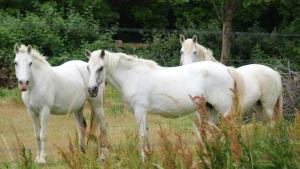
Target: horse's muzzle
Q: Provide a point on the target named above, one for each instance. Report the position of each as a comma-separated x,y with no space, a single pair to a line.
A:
93,91
23,85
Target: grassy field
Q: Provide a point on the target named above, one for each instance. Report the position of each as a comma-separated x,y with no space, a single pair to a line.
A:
175,143
119,123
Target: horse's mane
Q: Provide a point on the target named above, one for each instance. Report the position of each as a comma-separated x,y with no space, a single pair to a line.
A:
204,52
131,58
134,58
36,55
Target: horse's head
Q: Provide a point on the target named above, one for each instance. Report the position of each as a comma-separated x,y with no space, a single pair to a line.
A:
96,70
23,63
188,50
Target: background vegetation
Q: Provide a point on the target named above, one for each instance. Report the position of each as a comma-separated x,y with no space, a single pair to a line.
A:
264,31
63,29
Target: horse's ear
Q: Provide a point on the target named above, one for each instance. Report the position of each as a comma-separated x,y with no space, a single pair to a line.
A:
182,38
194,38
16,48
102,54
87,53
29,48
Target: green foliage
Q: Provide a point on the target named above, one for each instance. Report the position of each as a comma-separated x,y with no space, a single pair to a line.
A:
10,95
61,30
164,48
56,32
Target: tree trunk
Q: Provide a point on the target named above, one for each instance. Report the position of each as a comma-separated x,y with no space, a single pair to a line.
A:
229,9
226,41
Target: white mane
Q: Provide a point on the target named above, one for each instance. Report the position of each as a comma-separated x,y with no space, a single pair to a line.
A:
119,57
204,53
36,55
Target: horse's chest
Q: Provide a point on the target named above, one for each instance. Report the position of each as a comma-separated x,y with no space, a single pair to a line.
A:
36,104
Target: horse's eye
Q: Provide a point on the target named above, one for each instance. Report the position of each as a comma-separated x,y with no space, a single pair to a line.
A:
15,63
195,52
30,63
100,69
181,52
88,68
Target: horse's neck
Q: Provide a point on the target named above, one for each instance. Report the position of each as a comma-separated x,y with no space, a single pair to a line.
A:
39,74
122,75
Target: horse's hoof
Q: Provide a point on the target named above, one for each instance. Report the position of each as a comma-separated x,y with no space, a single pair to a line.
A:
36,159
143,157
104,155
101,161
40,160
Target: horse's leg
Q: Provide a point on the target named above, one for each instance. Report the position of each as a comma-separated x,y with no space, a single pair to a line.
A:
141,119
44,116
213,116
98,115
268,103
223,107
81,128
259,112
37,129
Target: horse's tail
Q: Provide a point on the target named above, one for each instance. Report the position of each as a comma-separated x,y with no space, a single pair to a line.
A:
238,79
278,106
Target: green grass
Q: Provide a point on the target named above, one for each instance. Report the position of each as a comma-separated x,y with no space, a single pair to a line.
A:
13,95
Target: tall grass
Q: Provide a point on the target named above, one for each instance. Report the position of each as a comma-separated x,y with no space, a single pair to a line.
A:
230,144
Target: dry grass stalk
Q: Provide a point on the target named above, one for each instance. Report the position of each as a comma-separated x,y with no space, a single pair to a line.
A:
182,150
231,125
206,132
24,156
295,132
148,149
7,148
71,156
167,151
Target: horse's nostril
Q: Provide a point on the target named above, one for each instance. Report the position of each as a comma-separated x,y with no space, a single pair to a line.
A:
27,81
95,88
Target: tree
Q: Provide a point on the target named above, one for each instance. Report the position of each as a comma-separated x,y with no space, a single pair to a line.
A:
225,10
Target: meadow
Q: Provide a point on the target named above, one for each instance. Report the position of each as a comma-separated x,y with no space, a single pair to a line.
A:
175,143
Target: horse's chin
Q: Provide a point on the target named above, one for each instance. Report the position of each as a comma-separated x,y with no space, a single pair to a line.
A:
93,94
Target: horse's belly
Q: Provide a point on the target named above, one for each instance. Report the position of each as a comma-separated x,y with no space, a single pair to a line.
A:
169,106
68,104
170,114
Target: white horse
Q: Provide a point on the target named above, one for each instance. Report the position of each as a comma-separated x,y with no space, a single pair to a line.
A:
262,85
147,87
55,90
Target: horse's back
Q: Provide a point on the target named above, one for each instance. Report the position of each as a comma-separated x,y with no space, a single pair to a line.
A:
262,73
72,70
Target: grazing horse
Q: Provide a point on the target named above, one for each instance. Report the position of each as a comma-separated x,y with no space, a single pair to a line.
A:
147,87
262,85
55,90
